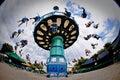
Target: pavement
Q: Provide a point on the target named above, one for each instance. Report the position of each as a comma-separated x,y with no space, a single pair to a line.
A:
111,72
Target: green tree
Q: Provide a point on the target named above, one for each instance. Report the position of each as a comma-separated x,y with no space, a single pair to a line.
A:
38,66
96,57
80,62
32,66
6,47
100,51
108,46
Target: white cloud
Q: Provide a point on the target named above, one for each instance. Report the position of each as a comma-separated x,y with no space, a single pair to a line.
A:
111,35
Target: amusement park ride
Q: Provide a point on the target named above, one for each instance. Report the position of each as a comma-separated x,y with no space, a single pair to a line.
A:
56,32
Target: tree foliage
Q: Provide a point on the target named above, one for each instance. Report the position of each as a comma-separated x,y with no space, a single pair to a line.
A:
100,51
38,66
80,62
6,47
95,57
32,66
108,46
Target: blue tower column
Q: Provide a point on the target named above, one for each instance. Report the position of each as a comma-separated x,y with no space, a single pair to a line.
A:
56,63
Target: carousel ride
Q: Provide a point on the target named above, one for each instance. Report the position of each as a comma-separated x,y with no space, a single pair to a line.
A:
55,32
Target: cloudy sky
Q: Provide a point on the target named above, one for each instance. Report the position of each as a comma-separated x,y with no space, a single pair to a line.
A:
104,12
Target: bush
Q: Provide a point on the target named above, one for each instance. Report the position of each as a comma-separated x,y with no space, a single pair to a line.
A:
6,48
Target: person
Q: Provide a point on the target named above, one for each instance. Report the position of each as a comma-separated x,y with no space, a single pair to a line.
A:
14,34
69,63
35,62
96,26
56,8
28,57
16,46
21,52
54,27
96,36
89,24
87,52
93,45
88,37
96,58
20,31
23,20
68,14
36,19
84,15
81,57
21,44
42,64
17,33
74,60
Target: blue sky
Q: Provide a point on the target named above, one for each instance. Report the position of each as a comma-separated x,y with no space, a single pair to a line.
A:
75,9
111,24
106,15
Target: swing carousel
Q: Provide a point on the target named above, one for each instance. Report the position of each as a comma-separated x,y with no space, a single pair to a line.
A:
56,32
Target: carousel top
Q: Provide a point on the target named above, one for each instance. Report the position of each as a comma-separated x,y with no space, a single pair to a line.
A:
56,24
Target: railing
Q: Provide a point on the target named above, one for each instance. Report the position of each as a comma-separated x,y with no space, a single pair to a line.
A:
54,13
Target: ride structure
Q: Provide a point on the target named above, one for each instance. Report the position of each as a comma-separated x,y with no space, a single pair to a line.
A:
56,32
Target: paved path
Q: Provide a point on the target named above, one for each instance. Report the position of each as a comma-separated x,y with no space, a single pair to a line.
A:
111,72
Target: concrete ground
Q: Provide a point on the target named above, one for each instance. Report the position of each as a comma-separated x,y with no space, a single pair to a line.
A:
111,72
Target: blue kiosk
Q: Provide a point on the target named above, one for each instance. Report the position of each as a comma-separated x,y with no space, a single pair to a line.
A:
56,32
